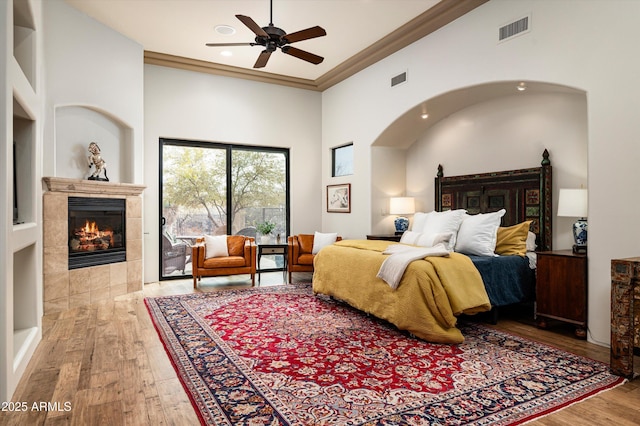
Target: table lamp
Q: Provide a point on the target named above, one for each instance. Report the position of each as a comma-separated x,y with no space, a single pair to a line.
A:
573,203
402,206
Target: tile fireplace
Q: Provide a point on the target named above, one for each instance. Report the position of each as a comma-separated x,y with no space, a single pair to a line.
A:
92,242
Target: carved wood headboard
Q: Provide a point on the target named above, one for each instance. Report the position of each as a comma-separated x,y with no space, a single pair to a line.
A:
525,194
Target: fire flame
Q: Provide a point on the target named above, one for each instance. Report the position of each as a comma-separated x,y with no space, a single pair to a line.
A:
90,238
91,228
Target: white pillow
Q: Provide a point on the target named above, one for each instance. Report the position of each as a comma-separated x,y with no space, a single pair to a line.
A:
320,240
431,240
410,237
419,218
447,222
478,233
531,241
215,246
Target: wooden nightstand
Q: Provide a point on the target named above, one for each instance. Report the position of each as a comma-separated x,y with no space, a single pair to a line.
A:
388,237
561,289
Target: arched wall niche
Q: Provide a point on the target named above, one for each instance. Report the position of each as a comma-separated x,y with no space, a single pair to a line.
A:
488,127
78,125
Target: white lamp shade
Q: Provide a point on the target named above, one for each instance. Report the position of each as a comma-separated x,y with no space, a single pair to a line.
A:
573,203
402,205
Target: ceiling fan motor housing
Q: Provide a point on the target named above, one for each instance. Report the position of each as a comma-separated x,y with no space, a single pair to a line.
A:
275,37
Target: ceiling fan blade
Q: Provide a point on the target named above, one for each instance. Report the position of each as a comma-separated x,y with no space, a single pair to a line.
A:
312,32
230,44
301,54
251,24
262,59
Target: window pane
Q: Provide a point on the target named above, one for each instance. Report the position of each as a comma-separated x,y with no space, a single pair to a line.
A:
194,201
259,188
343,160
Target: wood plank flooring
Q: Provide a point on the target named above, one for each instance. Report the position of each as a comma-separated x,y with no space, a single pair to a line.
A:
105,365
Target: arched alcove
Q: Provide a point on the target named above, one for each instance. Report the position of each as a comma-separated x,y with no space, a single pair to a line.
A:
489,127
76,126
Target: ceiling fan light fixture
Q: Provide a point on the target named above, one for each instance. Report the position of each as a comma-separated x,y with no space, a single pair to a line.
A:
225,30
522,86
273,38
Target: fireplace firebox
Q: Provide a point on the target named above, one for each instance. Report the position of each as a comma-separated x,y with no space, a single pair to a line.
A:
96,231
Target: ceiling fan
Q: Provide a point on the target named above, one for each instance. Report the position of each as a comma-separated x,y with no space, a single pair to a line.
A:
272,37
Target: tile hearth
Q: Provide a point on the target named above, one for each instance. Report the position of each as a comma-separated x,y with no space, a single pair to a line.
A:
65,289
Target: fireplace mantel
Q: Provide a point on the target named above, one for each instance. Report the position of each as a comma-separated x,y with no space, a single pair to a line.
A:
58,184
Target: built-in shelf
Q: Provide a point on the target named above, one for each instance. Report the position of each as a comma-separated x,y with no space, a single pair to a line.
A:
24,234
22,340
21,284
24,42
23,145
25,300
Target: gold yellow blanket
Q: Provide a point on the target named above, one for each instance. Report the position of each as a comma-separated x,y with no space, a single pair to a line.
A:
430,295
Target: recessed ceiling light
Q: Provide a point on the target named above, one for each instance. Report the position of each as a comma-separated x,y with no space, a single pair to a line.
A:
226,53
522,86
225,30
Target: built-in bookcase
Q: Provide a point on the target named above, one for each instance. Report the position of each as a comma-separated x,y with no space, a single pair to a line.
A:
21,240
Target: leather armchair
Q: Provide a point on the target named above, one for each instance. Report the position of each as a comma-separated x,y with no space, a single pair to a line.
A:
299,253
241,259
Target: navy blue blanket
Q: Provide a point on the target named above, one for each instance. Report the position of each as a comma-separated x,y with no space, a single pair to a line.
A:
507,279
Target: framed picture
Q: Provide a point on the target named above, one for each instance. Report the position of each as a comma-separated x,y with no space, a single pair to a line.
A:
339,198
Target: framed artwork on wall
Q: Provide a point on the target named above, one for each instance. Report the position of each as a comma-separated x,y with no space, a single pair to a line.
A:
339,198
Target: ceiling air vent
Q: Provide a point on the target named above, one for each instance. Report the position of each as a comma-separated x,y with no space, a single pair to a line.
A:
398,79
513,29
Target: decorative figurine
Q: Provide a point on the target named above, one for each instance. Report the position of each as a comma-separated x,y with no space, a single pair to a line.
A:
95,159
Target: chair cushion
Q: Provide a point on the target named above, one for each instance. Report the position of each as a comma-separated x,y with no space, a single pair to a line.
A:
323,239
215,246
235,244
224,262
306,243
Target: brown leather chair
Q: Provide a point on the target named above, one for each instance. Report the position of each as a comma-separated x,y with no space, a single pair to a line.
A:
241,259
299,253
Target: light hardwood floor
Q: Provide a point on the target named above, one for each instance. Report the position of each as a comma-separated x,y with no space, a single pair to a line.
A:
107,363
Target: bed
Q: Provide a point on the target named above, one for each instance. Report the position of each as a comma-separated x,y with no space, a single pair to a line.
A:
434,292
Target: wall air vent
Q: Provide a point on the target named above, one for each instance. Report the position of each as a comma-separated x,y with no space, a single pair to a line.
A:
399,79
519,27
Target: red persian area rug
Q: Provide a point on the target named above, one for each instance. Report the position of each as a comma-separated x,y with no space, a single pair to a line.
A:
283,356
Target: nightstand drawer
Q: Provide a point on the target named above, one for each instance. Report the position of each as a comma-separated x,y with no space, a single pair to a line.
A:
274,250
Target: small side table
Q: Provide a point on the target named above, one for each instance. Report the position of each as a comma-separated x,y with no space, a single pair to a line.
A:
561,289
273,249
388,237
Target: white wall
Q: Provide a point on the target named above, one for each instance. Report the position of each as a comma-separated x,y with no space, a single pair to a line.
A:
194,106
94,79
504,134
586,45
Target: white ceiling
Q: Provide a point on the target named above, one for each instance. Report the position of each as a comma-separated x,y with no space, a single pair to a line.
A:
182,27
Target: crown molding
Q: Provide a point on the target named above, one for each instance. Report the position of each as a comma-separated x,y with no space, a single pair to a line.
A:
180,62
436,17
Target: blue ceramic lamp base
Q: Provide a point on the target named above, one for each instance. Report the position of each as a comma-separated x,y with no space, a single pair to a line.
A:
580,236
401,224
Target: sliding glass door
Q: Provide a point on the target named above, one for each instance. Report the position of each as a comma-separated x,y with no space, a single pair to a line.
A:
218,189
